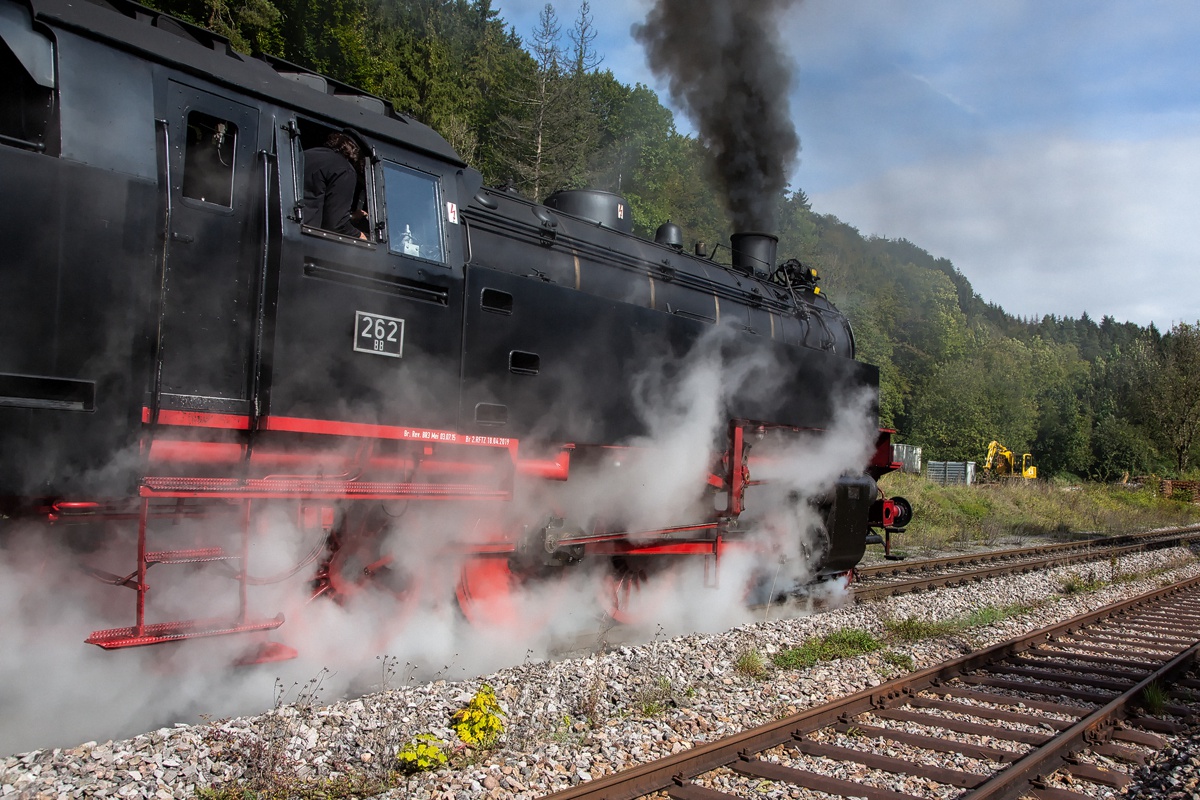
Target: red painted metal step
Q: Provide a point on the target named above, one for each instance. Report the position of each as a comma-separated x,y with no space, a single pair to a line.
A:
159,632
195,555
142,633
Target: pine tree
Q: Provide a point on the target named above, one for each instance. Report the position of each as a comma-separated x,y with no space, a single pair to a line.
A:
546,136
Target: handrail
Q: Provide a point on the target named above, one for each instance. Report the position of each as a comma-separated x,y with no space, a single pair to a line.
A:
165,176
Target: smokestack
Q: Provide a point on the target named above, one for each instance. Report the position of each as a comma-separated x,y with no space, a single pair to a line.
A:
727,69
754,253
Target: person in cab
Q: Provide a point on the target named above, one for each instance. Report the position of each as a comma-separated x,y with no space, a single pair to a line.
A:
332,181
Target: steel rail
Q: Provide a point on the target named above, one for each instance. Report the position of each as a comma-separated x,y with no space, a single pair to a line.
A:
1187,533
676,770
877,591
1019,779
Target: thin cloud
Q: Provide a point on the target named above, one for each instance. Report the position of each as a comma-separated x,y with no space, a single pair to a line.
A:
1057,226
921,79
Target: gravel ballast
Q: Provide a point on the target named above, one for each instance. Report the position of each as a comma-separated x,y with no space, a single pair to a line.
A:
578,719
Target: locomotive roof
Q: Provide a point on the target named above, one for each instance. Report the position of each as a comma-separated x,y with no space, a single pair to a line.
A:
165,39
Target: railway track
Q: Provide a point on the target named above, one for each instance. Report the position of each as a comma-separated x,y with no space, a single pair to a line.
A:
1043,715
878,581
884,580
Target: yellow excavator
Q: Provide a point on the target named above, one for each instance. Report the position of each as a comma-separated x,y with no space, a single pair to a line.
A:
1002,463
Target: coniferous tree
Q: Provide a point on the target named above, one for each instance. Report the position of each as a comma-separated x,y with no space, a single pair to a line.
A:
546,131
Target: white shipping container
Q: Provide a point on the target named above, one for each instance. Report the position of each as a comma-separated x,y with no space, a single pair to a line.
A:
909,455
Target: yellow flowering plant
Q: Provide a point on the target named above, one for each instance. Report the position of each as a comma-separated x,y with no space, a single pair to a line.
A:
480,723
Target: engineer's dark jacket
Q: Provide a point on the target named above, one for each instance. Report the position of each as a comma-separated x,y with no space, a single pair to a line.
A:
329,187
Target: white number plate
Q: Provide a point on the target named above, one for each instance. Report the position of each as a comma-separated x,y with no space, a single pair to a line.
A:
383,336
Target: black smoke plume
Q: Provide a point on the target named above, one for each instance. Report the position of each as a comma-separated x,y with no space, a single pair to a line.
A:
727,69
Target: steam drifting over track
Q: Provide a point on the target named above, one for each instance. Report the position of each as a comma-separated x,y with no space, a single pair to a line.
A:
592,716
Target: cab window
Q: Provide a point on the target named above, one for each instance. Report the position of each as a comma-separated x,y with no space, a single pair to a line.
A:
414,221
27,107
208,159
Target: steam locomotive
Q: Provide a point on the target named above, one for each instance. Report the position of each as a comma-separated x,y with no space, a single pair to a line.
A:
481,380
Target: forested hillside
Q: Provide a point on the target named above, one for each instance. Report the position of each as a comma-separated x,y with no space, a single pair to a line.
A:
538,110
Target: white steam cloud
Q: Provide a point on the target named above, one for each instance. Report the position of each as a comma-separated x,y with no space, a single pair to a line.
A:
57,691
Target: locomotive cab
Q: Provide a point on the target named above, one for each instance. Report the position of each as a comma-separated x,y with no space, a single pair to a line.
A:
375,319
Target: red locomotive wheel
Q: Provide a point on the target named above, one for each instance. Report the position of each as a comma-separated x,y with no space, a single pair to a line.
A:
492,595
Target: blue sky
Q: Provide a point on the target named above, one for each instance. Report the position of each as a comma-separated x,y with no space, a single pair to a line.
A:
1050,149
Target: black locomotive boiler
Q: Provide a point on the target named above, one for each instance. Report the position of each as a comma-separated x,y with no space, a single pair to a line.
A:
479,380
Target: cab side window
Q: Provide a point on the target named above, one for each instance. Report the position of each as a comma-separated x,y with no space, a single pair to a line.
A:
414,220
208,159
334,180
